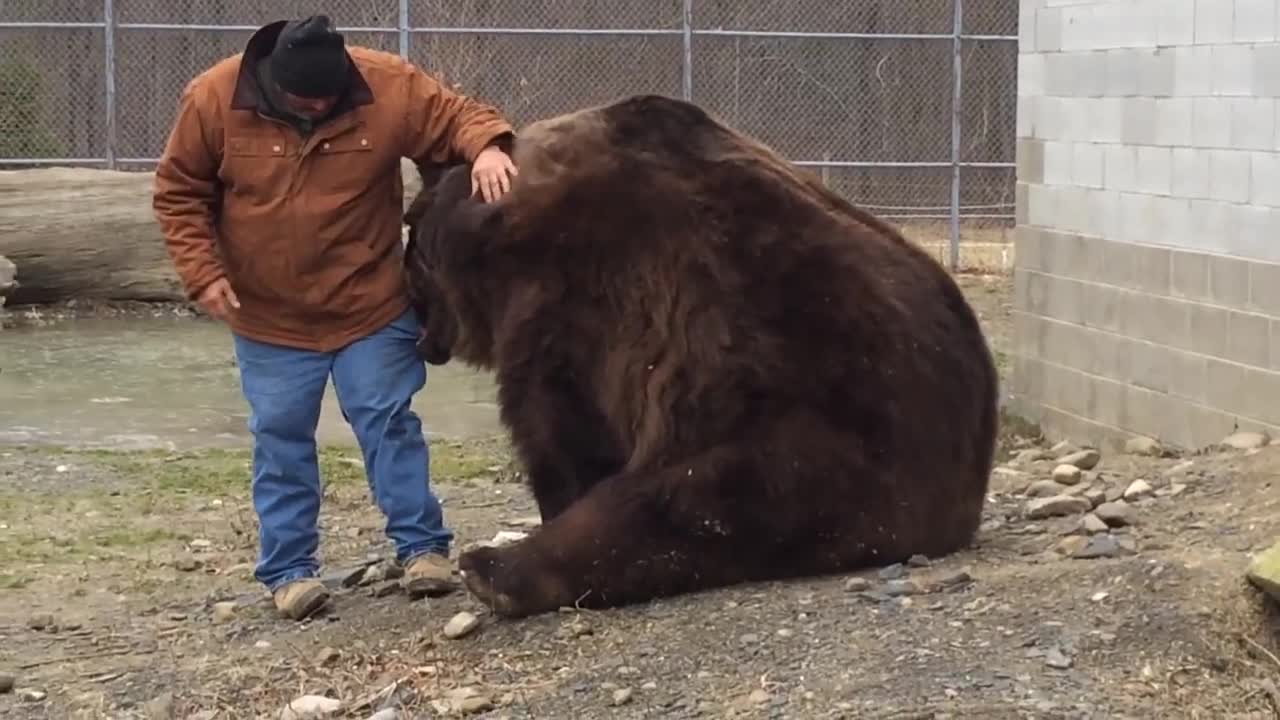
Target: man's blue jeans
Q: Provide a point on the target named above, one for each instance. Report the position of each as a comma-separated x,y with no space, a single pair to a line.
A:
375,379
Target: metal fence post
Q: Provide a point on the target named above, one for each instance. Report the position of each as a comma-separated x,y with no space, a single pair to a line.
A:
957,30
687,28
109,77
403,26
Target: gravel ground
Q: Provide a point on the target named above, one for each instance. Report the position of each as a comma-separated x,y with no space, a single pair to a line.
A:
1115,589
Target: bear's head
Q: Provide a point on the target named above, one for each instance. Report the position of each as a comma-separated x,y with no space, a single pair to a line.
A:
446,227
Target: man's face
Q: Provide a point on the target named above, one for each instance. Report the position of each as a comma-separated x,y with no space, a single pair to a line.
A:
309,107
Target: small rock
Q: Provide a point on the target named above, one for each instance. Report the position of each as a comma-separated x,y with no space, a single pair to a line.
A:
900,588
1071,545
918,561
1095,496
224,612
1138,489
160,708
1063,447
1099,546
1092,524
42,621
1115,514
186,563
390,587
621,696
7,681
327,656
1066,474
1043,488
1057,505
308,707
1264,571
32,696
857,584
758,697
952,579
1056,659
386,714
1143,446
893,572
1245,441
460,625
200,544
473,705
1031,455
1084,459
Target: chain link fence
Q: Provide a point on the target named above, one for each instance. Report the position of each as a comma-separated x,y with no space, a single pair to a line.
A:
907,108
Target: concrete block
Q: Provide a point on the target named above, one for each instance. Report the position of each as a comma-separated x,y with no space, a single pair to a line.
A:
1208,329
1229,281
1214,226
1138,126
1176,23
1123,72
1120,168
1026,28
1175,213
1136,215
1266,79
1042,206
1091,74
1050,116
1104,213
1193,70
1086,165
1073,209
1249,339
1031,74
1189,275
1264,289
1190,173
1048,30
1154,265
1174,118
1155,170
1057,162
1211,122
1233,70
1187,376
1029,158
1254,21
1214,22
1264,186
1229,175
1275,345
1253,123
1025,111
1107,120
1156,71
1256,227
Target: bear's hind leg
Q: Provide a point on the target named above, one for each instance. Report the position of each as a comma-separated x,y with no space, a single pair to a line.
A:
711,522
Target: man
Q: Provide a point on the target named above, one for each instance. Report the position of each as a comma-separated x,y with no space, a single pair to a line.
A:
280,200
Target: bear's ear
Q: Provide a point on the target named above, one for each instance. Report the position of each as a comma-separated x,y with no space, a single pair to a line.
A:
474,227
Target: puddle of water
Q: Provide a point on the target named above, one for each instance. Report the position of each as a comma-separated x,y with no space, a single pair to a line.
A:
161,382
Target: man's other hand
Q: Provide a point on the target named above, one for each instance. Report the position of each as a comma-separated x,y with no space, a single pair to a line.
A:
219,299
491,173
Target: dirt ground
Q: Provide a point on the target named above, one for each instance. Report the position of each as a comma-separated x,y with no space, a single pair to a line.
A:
126,591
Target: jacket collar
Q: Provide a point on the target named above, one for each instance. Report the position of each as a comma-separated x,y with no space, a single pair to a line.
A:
247,94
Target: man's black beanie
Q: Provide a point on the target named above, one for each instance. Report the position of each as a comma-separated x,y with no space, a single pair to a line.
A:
310,59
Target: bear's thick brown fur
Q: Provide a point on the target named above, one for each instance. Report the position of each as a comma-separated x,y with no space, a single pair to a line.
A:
714,369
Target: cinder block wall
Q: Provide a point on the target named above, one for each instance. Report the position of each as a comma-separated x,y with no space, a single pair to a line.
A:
1147,285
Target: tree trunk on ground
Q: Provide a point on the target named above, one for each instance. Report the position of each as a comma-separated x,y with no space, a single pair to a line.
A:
78,233
8,273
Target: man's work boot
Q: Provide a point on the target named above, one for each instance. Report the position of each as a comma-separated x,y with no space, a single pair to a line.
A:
300,598
430,574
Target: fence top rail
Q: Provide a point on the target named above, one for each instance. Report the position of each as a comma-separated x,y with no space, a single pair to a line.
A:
463,30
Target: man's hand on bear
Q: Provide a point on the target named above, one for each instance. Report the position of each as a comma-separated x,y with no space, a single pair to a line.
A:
491,173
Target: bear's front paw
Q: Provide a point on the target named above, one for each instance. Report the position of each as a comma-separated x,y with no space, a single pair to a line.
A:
509,581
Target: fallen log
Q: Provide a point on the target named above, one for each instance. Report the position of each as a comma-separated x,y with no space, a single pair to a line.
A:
83,233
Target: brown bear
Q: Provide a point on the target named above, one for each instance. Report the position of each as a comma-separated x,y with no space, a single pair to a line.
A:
714,369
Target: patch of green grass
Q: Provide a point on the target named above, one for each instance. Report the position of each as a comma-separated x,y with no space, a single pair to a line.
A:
227,472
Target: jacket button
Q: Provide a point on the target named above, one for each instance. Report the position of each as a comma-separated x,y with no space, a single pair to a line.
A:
275,148
326,146
364,141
